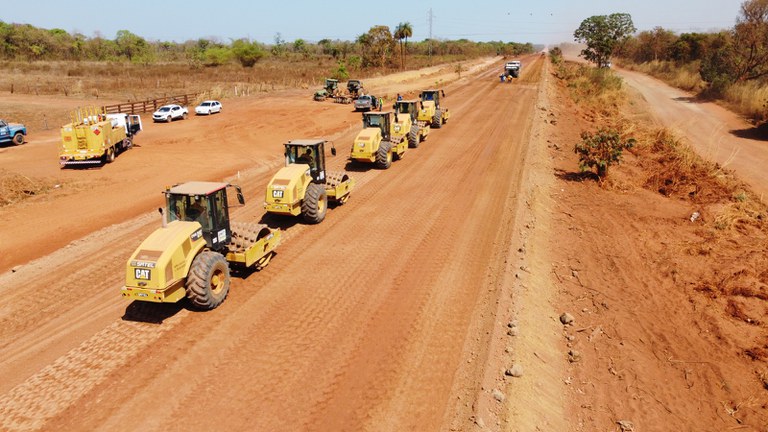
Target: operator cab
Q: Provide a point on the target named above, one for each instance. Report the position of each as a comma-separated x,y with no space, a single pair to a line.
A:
205,203
407,107
380,120
432,95
331,84
308,152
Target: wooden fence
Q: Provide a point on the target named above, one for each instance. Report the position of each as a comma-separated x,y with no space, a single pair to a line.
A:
150,105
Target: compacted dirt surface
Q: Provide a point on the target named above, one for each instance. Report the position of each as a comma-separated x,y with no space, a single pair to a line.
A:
429,301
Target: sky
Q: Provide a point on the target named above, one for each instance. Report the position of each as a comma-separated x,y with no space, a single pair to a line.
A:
536,21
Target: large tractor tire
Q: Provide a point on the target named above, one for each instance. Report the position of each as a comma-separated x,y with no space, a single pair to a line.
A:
18,139
315,203
208,280
413,136
384,156
437,120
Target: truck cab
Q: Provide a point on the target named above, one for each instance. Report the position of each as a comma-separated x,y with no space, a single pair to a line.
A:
130,122
12,133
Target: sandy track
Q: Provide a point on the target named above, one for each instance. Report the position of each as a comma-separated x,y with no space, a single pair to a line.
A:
378,317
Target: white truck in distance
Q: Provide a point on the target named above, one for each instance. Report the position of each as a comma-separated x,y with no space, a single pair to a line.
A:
512,69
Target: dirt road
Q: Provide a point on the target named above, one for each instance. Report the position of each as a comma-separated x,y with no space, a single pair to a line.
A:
713,131
381,317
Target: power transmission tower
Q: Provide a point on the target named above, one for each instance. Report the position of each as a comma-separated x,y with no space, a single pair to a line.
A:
429,20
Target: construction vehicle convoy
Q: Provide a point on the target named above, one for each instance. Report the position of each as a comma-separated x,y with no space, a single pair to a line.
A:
431,110
419,129
190,255
382,139
95,138
303,186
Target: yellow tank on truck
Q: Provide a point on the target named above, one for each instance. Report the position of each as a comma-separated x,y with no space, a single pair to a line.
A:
90,138
157,270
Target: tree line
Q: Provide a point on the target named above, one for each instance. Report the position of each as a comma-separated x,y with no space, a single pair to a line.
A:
379,47
736,55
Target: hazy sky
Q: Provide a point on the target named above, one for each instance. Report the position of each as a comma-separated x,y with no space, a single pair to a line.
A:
537,21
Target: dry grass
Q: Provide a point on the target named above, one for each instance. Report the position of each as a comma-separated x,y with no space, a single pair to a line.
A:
685,77
132,82
749,99
15,187
599,90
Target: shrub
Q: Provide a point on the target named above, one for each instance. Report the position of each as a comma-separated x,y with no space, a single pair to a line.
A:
341,72
601,149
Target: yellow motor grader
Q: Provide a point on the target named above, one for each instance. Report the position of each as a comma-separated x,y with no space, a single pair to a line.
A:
382,139
431,110
302,186
190,255
419,129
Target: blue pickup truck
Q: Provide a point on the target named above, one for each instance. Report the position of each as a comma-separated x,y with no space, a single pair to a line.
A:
12,133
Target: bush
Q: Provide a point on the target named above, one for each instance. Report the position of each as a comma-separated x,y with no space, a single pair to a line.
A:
341,72
246,52
601,150
216,56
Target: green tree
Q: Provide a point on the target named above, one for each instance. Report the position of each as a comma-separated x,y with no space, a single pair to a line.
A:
750,41
377,46
300,47
216,56
601,150
402,32
131,46
278,49
247,52
603,34
341,72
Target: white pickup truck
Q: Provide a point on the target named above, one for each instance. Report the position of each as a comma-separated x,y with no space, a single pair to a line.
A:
169,113
512,69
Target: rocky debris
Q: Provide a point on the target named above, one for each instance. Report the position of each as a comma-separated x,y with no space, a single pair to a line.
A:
626,425
567,318
515,371
15,269
479,422
574,356
695,216
514,331
498,395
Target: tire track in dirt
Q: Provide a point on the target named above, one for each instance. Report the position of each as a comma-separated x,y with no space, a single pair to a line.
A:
29,405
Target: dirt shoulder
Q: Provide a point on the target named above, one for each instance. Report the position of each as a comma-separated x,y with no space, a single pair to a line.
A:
668,305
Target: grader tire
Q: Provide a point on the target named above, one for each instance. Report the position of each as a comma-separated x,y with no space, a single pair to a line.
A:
384,156
437,119
315,203
413,137
208,280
